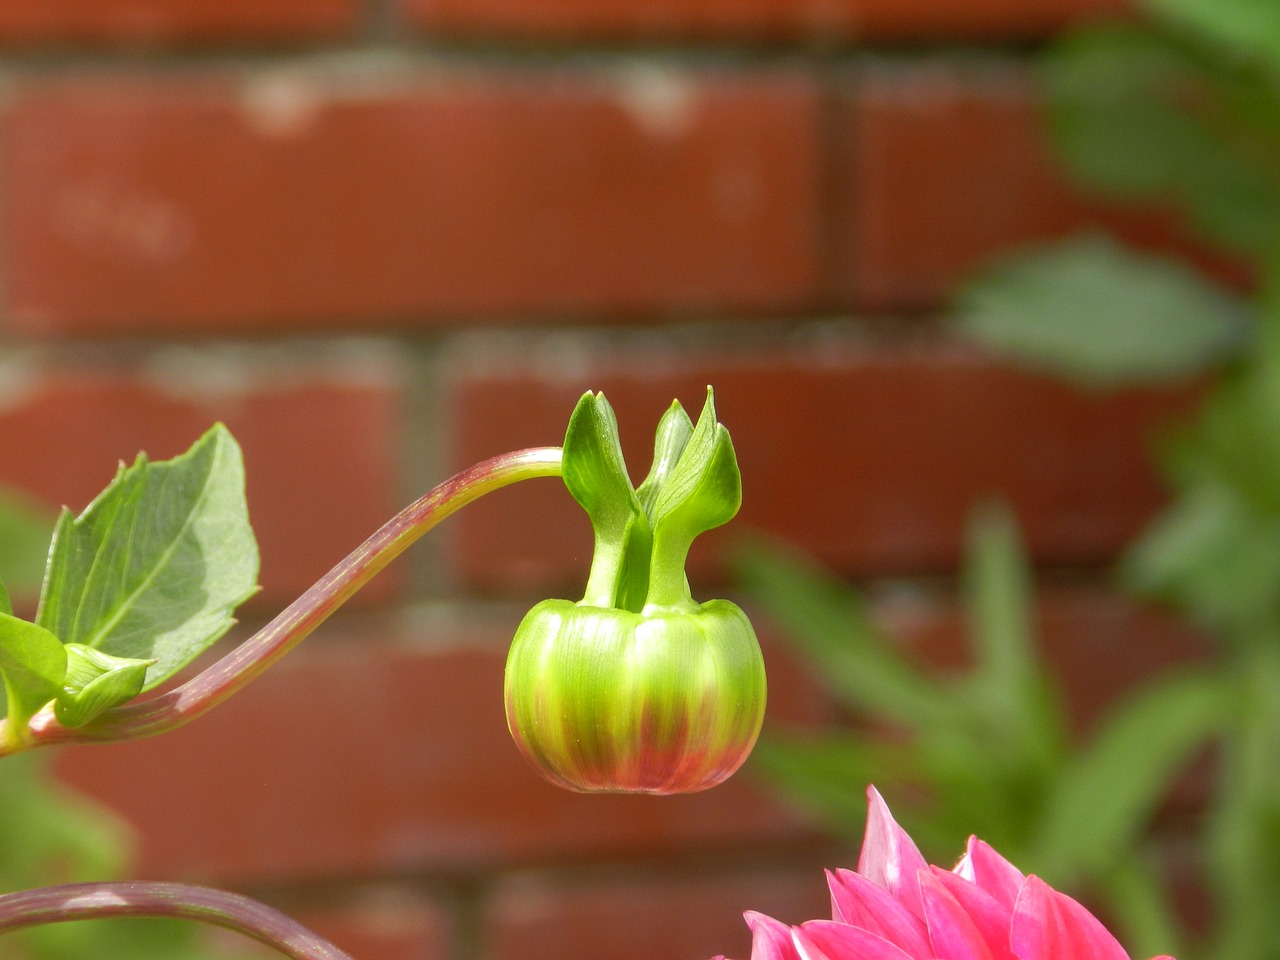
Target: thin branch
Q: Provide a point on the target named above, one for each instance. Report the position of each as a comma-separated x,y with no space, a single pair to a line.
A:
170,710
95,901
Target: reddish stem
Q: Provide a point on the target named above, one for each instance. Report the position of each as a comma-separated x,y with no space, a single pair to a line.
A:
169,710
94,901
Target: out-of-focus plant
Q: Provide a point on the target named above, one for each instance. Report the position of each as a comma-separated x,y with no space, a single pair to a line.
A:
1184,110
52,834
985,748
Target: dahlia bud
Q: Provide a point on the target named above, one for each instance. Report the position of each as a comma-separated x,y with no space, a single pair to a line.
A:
638,688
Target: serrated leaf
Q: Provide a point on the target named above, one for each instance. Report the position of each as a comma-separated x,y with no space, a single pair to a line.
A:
1089,310
1109,791
95,682
33,665
155,565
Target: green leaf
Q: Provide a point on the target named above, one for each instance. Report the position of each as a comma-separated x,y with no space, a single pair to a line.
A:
33,664
1010,687
1215,556
6,605
95,682
829,623
156,564
1092,311
25,526
1105,797
1250,27
1140,115
825,774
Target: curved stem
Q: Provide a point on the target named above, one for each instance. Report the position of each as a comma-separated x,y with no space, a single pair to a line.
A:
209,688
94,901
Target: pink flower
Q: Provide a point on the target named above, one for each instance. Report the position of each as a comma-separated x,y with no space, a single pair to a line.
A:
897,907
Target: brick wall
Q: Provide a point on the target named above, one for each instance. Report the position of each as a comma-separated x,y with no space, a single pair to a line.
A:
383,239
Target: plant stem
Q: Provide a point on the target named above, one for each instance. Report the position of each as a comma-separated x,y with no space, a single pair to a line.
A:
93,901
169,710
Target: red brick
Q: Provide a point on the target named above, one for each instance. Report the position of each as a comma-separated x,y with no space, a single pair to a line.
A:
321,454
845,20
158,21
939,168
375,756
382,924
187,205
637,918
869,455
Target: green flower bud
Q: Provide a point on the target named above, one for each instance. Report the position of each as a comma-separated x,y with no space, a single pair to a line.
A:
638,688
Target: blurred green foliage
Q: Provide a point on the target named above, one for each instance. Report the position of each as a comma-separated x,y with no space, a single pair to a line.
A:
51,834
986,749
1180,110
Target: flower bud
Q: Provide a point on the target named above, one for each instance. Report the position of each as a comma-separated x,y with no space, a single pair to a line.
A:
637,688
603,700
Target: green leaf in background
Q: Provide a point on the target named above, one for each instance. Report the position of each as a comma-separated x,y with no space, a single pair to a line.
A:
824,774
1106,795
1089,310
1008,679
1250,27
1140,115
33,664
155,566
51,834
1215,557
25,527
830,624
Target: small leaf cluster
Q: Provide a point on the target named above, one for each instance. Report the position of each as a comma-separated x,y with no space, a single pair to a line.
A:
643,534
135,587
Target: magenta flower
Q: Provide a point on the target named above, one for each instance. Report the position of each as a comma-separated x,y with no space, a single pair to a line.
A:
897,907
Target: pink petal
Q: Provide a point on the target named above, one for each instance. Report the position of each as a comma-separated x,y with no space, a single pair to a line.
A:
952,933
989,916
857,901
1048,925
889,857
992,872
830,940
770,940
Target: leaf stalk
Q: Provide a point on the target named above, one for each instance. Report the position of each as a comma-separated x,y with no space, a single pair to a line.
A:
167,711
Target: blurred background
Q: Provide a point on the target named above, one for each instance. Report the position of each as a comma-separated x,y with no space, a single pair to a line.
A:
976,282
